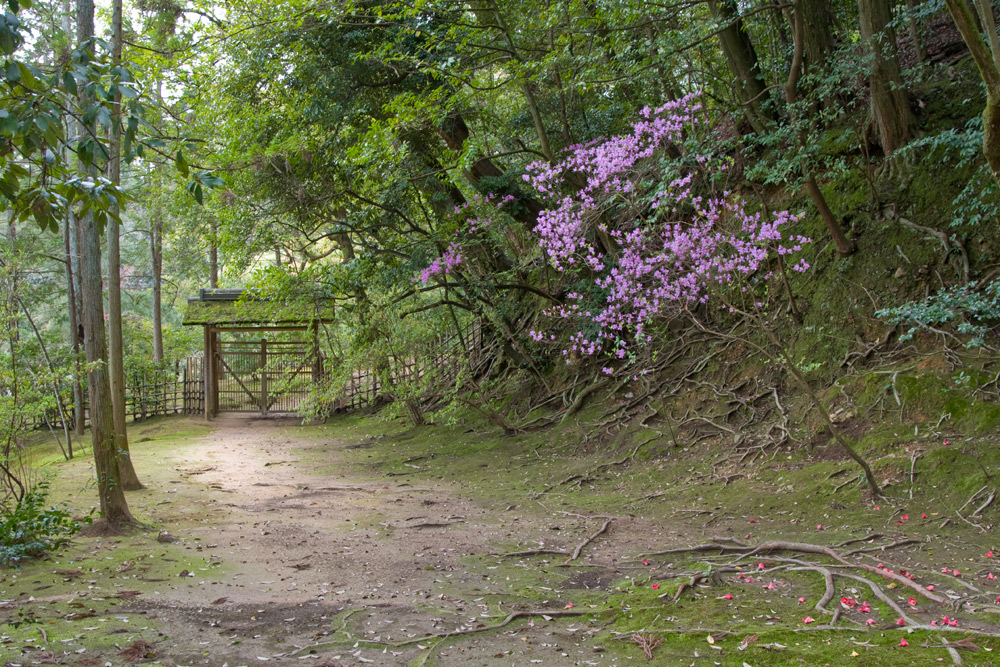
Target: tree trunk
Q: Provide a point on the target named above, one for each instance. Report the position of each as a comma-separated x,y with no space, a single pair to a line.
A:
845,246
986,54
69,247
116,359
743,63
890,109
213,257
109,487
156,246
817,31
915,32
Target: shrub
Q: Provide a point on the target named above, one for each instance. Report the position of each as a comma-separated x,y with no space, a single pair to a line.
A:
29,529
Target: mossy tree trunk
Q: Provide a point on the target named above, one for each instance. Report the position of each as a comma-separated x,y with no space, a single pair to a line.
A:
986,54
116,358
114,507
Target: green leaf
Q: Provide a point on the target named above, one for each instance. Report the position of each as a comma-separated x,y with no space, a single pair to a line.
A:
181,163
69,81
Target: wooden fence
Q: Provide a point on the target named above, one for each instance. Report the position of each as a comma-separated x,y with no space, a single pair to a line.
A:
180,388
169,390
439,363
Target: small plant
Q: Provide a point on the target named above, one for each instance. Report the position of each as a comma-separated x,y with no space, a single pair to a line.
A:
29,529
974,311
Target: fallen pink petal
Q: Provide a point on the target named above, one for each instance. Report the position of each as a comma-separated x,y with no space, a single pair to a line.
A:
807,620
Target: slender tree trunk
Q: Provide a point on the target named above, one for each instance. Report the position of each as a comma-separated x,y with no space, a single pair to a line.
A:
69,247
156,246
986,54
890,109
116,358
845,246
213,257
743,63
114,507
915,32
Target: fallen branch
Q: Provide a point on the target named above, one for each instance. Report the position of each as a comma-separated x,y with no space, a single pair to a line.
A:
580,547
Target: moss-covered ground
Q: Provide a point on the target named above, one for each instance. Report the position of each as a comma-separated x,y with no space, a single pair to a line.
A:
549,491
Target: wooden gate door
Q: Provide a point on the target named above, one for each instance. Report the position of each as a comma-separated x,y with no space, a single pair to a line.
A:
265,377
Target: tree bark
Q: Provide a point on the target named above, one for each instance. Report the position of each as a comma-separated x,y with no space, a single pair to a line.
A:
986,54
817,31
915,31
114,507
156,247
116,359
743,63
890,110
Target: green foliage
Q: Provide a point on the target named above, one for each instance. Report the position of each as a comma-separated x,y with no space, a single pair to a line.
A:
29,529
973,311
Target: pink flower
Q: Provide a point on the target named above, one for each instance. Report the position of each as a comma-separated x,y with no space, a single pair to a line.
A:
819,526
728,596
753,520
906,517
946,443
645,561
923,516
930,587
945,570
569,605
876,507
801,600
807,620
655,587
770,586
903,642
913,602
989,554
990,576
760,566
956,573
900,622
870,621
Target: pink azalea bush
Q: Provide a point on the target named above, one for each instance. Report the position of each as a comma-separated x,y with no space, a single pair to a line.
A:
671,248
644,251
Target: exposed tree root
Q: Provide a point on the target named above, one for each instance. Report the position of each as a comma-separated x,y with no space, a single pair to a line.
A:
513,616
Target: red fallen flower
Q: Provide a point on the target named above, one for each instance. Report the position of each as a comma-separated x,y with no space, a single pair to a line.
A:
760,566
901,622
953,624
849,602
728,596
569,605
913,601
945,570
819,526
906,517
753,520
742,576
930,587
990,576
807,620
655,587
865,609
933,622
801,600
870,621
956,573
903,642
770,586
923,516
645,561
989,554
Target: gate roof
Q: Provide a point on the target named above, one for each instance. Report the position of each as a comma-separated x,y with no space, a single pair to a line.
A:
240,307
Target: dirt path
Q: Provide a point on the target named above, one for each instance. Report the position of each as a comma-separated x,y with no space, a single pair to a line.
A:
304,556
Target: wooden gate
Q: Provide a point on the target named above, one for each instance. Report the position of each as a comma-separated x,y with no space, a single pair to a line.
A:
264,376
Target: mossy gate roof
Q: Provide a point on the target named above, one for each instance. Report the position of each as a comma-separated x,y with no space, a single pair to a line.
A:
237,307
